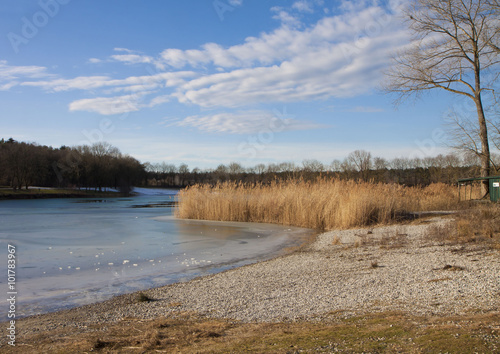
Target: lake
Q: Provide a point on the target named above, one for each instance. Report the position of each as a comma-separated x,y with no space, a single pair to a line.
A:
72,252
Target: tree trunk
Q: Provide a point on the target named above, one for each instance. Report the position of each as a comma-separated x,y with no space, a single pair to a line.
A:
485,147
483,129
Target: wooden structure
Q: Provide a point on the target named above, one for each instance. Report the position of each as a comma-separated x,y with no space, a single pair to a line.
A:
494,182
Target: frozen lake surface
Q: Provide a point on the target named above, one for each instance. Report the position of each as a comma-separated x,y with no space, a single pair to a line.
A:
73,252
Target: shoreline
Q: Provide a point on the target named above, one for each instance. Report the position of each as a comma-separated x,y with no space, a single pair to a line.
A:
339,275
50,193
54,193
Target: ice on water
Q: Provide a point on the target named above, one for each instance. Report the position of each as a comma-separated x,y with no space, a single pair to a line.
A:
77,251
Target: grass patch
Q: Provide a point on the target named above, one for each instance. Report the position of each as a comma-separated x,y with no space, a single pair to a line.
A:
383,332
141,297
323,204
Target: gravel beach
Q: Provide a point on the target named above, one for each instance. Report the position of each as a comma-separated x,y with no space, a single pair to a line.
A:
342,273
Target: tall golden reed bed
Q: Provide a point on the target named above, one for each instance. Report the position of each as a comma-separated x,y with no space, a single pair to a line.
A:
323,204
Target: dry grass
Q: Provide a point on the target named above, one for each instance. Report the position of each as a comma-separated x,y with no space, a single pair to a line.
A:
479,225
376,333
324,204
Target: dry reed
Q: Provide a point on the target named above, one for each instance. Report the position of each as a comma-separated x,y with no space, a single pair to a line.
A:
323,204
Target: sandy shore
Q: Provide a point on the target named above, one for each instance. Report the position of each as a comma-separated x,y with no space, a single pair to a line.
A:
342,273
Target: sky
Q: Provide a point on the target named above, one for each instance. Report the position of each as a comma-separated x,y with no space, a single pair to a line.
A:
209,82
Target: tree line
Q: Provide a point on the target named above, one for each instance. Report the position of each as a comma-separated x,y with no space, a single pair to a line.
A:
358,165
101,165
97,166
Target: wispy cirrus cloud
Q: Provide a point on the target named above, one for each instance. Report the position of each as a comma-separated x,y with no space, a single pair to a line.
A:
132,83
127,56
245,122
118,104
133,58
108,105
11,76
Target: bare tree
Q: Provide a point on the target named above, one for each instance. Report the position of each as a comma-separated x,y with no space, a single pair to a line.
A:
464,133
428,162
183,169
221,173
455,47
336,166
235,168
400,163
289,169
495,161
361,160
495,127
272,168
470,159
260,168
452,161
379,163
495,8
416,162
312,165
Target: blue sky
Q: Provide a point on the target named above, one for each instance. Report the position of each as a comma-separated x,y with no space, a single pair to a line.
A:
210,82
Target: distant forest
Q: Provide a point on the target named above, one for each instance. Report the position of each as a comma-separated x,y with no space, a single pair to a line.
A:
102,165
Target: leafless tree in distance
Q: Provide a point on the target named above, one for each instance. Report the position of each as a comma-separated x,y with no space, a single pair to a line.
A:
361,160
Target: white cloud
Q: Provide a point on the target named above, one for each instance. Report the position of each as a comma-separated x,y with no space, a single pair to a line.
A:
135,88
285,17
248,122
159,100
11,76
80,82
108,105
132,83
7,86
132,58
124,50
303,6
